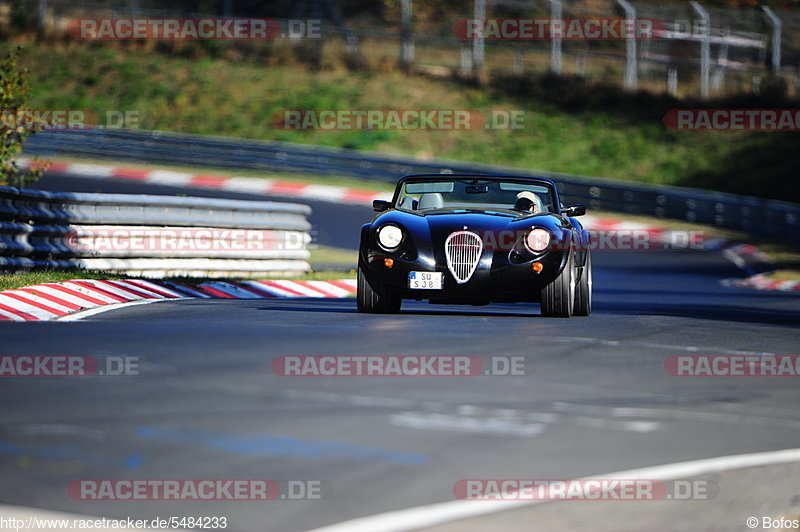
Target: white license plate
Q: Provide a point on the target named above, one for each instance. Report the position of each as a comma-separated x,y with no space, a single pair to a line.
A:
425,280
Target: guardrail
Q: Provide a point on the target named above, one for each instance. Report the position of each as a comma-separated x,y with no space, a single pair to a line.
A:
760,216
151,236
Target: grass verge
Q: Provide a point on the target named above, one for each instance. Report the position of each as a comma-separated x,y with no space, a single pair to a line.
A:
570,125
18,280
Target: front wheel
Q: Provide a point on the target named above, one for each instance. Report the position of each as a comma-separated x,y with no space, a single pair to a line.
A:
583,291
375,297
558,298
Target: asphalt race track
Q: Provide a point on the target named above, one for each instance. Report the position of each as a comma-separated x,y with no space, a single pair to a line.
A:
207,405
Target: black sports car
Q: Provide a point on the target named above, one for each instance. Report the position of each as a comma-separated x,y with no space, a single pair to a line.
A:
475,239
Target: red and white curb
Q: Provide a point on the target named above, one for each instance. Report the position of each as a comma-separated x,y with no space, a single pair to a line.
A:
248,185
53,301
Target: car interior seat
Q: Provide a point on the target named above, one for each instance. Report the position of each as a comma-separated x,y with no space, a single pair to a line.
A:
430,200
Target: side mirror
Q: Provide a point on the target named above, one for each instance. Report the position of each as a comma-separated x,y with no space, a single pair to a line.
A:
574,210
379,205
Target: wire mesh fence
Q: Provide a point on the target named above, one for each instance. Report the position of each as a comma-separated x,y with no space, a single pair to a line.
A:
690,50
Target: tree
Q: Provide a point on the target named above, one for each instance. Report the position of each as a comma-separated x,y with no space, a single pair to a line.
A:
17,121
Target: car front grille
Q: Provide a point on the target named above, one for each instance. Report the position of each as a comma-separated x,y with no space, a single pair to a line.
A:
463,251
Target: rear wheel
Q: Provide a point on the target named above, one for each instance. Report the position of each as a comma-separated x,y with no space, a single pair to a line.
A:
375,297
583,290
558,297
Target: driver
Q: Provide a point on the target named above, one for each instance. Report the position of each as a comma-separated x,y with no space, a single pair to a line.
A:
528,201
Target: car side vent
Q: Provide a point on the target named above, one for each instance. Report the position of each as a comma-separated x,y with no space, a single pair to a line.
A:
463,251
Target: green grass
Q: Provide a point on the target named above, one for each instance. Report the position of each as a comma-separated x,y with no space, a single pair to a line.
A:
18,280
570,126
331,255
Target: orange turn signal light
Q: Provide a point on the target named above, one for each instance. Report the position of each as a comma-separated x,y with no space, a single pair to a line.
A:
388,262
537,267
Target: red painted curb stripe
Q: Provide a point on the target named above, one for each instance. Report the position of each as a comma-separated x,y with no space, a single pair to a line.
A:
247,288
214,292
102,291
160,292
24,315
36,304
324,290
129,290
286,187
75,293
350,288
54,299
285,289
131,173
208,181
260,292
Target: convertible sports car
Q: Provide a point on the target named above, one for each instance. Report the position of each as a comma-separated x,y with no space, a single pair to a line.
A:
475,239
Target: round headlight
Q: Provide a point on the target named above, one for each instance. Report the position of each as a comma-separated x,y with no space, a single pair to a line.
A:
537,240
390,236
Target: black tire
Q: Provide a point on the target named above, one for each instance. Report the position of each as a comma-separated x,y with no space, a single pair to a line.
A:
375,297
583,290
558,298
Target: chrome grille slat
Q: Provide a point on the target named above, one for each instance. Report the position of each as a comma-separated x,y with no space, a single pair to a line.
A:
463,251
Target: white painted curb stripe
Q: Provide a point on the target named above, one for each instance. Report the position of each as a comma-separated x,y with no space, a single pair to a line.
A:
297,287
91,293
40,300
27,308
278,292
11,316
434,514
55,292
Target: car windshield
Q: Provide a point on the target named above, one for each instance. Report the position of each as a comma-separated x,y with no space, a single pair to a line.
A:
475,193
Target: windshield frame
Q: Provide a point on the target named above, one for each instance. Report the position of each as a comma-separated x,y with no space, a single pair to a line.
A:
529,180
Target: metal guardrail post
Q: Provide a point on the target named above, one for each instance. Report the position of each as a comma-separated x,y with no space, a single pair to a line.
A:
777,26
705,49
630,78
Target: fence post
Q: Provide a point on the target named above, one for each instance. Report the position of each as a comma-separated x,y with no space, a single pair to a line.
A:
41,15
777,25
631,68
407,37
705,49
672,80
477,43
556,62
